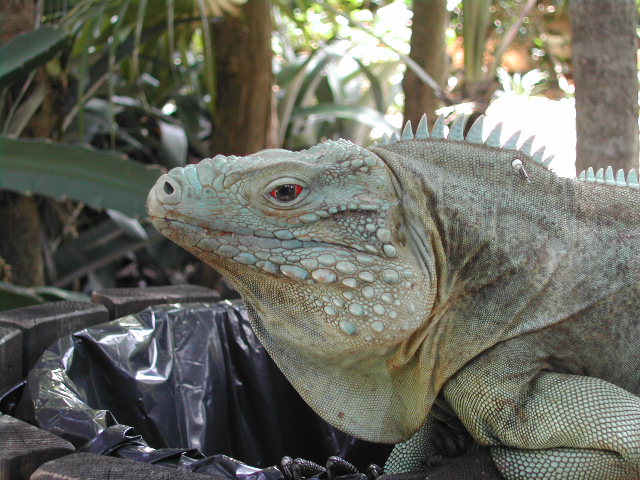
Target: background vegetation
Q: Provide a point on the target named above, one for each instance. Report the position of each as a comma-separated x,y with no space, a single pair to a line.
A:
98,97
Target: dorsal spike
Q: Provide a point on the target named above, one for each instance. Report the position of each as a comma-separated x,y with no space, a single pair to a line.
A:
438,128
422,131
600,175
456,132
591,177
539,155
407,132
384,140
394,138
527,146
493,140
474,135
608,176
548,161
512,142
620,180
582,175
632,178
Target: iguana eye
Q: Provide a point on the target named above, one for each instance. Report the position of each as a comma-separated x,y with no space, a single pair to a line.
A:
286,192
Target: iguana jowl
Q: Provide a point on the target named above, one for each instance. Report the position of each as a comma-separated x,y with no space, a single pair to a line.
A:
432,280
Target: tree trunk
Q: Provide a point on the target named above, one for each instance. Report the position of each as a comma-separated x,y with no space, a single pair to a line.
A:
243,67
243,123
428,49
605,73
21,228
20,241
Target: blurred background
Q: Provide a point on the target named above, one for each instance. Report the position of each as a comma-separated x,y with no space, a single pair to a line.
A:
99,97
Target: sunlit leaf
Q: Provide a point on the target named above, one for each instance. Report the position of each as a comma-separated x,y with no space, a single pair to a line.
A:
357,113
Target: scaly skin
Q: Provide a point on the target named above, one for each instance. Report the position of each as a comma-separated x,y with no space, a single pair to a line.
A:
439,280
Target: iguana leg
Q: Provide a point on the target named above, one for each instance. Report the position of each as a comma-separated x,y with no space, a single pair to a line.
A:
411,455
588,423
441,435
562,463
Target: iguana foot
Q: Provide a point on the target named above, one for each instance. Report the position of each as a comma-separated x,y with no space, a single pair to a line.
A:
299,468
336,467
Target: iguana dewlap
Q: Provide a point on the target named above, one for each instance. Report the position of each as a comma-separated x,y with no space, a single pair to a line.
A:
452,284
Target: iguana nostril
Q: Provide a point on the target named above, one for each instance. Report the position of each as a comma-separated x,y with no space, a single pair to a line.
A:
168,188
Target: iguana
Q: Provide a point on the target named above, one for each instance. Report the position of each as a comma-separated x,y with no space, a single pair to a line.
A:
434,286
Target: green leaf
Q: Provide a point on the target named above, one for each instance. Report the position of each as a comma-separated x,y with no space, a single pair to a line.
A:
174,144
13,296
376,88
27,110
51,294
358,113
24,53
476,23
99,179
129,225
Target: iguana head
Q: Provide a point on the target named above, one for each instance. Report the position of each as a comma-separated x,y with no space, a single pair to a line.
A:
317,245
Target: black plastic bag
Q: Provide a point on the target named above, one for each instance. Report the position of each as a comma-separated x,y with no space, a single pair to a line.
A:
174,384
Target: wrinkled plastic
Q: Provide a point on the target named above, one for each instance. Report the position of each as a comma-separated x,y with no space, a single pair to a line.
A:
174,384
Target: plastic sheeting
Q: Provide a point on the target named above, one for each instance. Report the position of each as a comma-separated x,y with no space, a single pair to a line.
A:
174,384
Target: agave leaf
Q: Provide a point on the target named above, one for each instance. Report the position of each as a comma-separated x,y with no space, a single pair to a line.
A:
24,53
99,179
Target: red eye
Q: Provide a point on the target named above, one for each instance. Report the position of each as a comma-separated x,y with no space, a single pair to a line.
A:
286,192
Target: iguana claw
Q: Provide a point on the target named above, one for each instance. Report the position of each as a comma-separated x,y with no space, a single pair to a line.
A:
299,468
374,471
337,467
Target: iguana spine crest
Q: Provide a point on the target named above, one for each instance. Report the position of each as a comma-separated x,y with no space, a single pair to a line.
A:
474,136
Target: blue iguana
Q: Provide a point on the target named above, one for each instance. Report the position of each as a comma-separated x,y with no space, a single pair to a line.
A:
428,280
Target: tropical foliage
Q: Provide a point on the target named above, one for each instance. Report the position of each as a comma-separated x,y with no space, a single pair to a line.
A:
117,90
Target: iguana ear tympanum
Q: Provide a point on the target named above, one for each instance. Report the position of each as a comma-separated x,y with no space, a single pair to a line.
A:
431,283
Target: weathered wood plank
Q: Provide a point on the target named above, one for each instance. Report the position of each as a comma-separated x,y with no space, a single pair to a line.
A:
41,325
126,301
88,466
10,357
23,448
